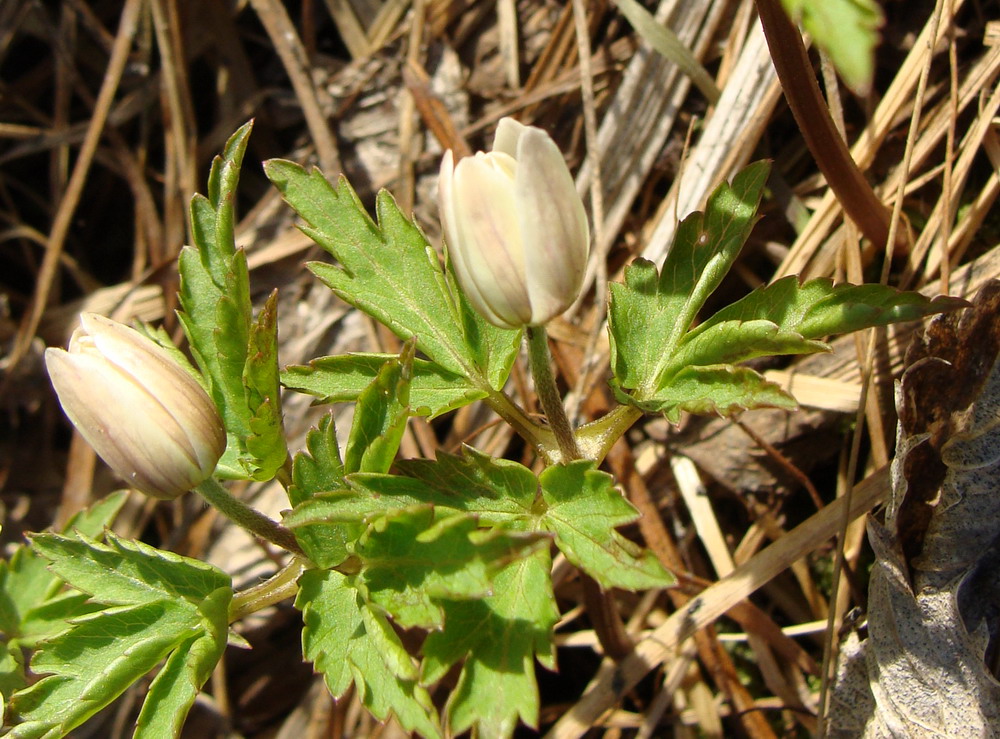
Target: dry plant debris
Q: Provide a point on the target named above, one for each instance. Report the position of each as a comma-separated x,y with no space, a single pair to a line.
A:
924,668
110,113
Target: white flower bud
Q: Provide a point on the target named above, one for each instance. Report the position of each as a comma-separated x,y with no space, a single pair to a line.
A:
143,413
515,228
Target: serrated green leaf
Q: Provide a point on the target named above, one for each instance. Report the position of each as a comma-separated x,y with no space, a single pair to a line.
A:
649,314
347,641
433,389
176,685
380,416
499,638
818,308
266,450
498,491
387,270
92,664
847,30
33,604
584,509
414,559
12,676
156,605
92,521
237,356
719,389
728,342
125,572
316,471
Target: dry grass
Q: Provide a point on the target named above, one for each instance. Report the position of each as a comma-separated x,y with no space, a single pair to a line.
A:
110,113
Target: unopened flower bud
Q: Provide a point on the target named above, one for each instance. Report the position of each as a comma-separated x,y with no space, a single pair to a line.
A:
143,413
515,228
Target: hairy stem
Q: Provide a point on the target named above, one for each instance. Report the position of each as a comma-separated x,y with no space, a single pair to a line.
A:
284,584
243,515
548,394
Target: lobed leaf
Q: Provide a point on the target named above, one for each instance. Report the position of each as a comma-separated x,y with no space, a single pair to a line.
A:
265,446
350,642
499,637
413,560
433,389
380,416
649,314
153,605
584,509
217,318
314,472
389,271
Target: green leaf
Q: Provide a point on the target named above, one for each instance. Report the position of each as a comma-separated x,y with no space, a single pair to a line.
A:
33,604
719,389
156,605
783,318
818,308
176,685
314,472
584,509
349,641
266,450
577,503
88,667
493,350
387,270
380,416
498,491
499,638
650,313
847,30
433,389
125,572
12,676
237,356
215,298
413,560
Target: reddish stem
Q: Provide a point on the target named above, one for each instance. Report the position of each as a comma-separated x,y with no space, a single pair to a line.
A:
798,82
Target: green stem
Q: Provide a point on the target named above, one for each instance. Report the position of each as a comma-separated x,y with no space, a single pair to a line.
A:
597,437
243,515
284,584
548,394
541,439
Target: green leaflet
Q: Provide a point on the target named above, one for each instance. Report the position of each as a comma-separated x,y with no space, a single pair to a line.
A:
847,30
433,390
662,364
388,270
153,605
350,642
237,355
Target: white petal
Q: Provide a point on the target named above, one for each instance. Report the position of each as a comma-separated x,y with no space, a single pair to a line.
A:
506,137
489,241
163,378
127,427
553,224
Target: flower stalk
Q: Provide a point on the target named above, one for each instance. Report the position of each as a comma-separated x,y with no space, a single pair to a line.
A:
248,518
540,361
